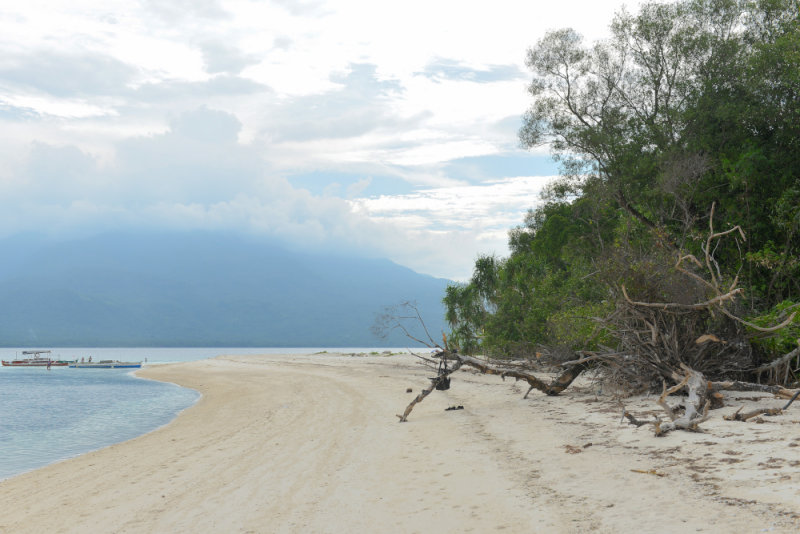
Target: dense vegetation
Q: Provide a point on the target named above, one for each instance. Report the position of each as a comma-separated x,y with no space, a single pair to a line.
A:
685,105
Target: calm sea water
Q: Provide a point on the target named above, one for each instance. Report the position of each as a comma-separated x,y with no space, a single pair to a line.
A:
47,416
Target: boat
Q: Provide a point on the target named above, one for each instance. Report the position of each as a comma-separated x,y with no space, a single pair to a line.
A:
36,360
105,364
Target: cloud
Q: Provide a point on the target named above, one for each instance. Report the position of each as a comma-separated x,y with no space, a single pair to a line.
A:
357,104
18,112
450,69
456,222
498,204
282,42
299,8
355,189
218,88
220,57
32,107
197,160
175,11
197,175
384,128
56,172
207,125
66,75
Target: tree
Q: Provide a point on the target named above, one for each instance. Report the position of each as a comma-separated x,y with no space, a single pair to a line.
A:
686,105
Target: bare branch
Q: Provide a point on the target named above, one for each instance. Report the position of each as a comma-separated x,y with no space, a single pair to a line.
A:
786,358
440,378
675,305
755,326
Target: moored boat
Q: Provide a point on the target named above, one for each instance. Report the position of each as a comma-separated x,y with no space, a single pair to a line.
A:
36,360
105,364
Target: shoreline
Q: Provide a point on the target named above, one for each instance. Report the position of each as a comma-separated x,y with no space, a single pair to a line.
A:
52,416
311,443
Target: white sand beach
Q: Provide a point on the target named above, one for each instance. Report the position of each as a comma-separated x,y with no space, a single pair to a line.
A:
311,444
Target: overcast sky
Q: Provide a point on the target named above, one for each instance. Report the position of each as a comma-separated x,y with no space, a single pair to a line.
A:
375,127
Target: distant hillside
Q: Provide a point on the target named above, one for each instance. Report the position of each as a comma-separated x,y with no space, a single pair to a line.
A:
198,289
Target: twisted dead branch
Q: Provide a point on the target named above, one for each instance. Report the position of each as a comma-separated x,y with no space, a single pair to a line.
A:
436,383
738,416
553,388
696,406
556,386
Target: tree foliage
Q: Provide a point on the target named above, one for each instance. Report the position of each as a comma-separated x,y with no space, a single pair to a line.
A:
685,104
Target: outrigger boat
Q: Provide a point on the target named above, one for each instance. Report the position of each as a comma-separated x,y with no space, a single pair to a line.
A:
105,364
37,360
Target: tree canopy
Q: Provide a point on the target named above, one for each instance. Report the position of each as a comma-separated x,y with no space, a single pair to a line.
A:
683,106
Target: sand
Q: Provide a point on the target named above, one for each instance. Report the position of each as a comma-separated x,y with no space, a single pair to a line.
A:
311,444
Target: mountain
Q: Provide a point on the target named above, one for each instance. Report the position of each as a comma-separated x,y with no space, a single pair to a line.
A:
199,289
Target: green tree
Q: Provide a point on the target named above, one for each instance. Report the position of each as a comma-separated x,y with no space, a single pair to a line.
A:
686,104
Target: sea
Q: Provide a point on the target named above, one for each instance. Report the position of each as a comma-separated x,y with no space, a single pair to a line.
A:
50,415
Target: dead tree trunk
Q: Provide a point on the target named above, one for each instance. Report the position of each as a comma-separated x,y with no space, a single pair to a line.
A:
738,416
697,404
555,387
779,391
435,383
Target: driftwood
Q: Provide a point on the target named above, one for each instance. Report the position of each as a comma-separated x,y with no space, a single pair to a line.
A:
738,416
719,299
436,381
696,405
779,391
555,387
700,393
632,420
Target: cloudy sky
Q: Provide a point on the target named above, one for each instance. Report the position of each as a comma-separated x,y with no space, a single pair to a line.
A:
371,127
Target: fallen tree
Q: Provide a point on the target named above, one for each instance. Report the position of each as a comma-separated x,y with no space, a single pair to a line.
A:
700,346
552,388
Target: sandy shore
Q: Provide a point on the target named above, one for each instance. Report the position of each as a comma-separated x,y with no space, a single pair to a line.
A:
311,444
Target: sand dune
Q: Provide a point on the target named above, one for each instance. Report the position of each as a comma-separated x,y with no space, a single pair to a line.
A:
311,444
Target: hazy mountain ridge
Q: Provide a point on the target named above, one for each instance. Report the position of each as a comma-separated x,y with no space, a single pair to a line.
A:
198,289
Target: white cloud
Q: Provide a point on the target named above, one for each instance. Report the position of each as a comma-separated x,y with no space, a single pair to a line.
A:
65,108
480,213
200,114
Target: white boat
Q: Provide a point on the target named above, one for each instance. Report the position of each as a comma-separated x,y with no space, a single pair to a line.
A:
35,359
105,364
